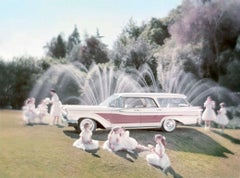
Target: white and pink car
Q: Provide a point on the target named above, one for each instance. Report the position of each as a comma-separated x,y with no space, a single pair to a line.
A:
135,111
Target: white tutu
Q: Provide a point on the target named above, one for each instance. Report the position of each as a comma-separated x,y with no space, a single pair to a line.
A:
106,146
209,114
115,141
56,110
85,142
128,142
221,117
120,141
116,146
154,159
89,146
29,116
29,111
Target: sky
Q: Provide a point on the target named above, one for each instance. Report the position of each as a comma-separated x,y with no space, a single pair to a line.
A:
28,25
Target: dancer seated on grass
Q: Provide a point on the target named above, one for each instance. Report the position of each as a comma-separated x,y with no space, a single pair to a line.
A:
42,109
85,141
158,157
119,139
29,111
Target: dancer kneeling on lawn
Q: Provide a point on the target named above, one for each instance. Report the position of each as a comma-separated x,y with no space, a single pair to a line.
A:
119,139
158,157
85,141
29,111
42,110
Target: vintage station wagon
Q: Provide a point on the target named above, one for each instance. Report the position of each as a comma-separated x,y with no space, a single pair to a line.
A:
135,111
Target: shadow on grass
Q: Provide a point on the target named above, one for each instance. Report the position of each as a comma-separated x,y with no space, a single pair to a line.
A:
60,126
33,124
169,170
191,140
93,153
127,155
41,123
74,135
232,139
183,139
71,133
100,135
172,172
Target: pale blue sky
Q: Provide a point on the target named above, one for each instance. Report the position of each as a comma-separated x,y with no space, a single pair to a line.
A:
27,25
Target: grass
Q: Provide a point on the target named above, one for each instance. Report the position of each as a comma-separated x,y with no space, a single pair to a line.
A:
44,151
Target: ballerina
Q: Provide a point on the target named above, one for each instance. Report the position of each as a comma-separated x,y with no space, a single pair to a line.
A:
119,139
158,157
113,141
29,111
42,109
222,118
129,143
85,141
56,110
209,114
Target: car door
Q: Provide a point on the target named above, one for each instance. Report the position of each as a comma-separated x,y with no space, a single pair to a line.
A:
150,113
123,112
129,114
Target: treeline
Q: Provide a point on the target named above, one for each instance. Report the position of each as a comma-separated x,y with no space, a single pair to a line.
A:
199,37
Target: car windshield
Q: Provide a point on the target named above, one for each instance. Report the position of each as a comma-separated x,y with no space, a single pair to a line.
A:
173,102
112,101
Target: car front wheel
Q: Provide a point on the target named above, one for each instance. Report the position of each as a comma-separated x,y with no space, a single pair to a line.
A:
169,125
91,122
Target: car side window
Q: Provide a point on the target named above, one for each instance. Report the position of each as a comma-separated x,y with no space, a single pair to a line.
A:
163,102
131,102
172,102
139,102
150,103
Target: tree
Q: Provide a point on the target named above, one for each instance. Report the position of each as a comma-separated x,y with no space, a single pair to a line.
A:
134,54
73,40
133,31
158,31
6,85
98,36
57,47
21,75
214,24
93,51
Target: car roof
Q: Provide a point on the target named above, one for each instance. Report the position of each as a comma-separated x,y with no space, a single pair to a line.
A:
146,94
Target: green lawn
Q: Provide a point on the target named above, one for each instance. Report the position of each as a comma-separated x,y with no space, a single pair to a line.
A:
44,151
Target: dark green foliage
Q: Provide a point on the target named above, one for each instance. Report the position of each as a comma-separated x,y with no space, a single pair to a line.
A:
94,51
213,24
73,40
57,47
17,80
158,31
132,30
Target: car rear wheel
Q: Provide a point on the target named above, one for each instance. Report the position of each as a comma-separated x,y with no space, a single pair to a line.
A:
169,125
91,122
